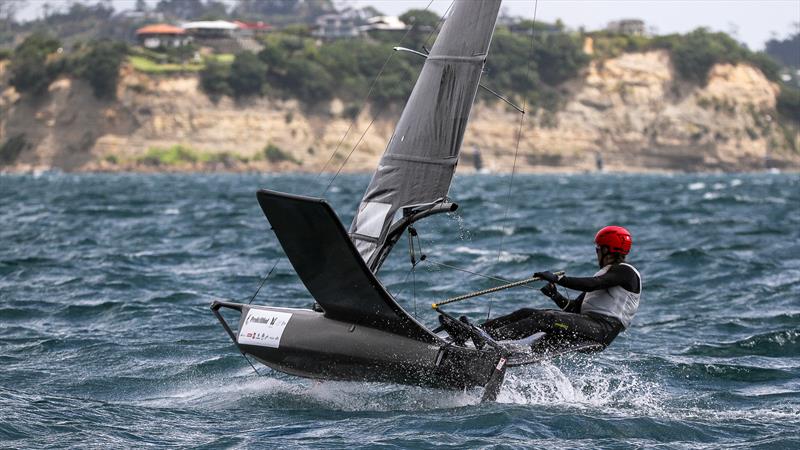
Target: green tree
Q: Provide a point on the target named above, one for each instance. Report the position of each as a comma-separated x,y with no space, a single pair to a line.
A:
214,79
100,67
768,65
787,50
423,23
30,70
420,18
694,54
506,68
248,74
308,80
789,103
558,58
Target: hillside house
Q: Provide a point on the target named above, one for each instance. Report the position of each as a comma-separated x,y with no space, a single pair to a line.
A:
631,27
335,26
162,35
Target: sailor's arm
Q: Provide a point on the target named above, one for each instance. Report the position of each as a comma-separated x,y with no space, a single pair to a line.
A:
617,275
563,302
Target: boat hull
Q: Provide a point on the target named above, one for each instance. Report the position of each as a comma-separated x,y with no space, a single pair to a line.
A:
313,346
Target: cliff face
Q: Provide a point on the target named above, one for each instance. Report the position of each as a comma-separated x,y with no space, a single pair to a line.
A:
629,111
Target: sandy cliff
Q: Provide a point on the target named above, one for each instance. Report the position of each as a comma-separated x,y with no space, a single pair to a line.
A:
629,111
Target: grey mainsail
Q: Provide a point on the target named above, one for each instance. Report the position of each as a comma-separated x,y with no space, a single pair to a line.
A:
414,174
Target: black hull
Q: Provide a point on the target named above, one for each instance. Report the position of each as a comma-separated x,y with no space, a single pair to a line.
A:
313,346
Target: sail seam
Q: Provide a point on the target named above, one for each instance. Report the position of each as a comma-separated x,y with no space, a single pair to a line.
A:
449,161
458,59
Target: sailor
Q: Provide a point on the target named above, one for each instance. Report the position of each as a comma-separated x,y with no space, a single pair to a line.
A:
606,306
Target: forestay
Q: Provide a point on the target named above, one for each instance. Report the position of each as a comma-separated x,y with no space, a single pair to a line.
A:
420,159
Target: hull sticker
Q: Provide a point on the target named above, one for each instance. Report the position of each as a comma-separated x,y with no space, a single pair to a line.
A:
263,327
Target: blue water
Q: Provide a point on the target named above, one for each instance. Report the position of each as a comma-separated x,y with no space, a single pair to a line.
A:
106,339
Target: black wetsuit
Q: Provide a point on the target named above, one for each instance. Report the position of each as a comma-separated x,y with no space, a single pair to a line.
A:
569,323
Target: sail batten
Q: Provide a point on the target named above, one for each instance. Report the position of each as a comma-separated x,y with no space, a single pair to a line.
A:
420,159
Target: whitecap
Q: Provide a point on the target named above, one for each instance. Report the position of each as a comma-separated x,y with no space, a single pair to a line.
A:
696,186
590,386
471,251
506,230
484,255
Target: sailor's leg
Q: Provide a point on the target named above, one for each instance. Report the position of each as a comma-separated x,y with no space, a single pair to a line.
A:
553,322
575,326
492,325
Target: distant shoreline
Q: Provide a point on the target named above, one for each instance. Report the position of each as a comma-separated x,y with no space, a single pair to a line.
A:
467,171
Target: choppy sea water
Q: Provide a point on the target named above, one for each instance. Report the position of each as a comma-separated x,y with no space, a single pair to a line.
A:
106,338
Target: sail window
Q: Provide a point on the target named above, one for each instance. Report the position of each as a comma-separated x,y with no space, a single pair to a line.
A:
371,218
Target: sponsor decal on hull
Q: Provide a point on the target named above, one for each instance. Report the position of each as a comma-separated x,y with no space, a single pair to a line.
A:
263,328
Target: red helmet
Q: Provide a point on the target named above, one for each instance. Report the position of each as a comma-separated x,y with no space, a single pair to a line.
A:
617,239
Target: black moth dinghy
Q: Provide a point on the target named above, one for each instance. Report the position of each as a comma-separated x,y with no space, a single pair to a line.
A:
359,332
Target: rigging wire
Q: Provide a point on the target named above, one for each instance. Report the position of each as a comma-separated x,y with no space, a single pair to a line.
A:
251,364
375,116
519,138
461,269
438,26
412,232
338,171
265,279
414,288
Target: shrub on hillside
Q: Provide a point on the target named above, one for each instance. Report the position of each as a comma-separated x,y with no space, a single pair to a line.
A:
247,75
274,154
214,79
789,103
606,44
177,154
30,70
558,58
424,23
10,149
693,54
768,66
100,67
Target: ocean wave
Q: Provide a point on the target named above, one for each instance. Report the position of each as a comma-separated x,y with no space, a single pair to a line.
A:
775,343
281,392
107,340
491,255
582,384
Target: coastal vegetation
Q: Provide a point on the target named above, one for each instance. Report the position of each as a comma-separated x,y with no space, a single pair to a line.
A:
291,63
312,85
275,154
40,59
176,156
11,148
294,64
173,156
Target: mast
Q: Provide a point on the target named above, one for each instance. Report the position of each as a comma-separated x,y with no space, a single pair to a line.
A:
417,167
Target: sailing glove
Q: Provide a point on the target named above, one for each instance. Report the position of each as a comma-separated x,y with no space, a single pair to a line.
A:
550,290
549,276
